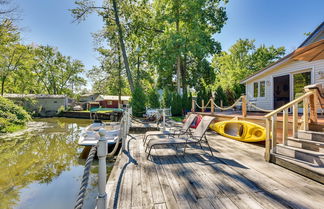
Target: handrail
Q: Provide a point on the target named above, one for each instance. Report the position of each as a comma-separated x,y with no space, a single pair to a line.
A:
280,109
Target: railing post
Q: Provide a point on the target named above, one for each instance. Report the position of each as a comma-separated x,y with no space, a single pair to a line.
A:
212,107
163,114
268,141
305,113
193,106
295,120
123,131
244,111
313,106
284,126
202,105
102,153
274,132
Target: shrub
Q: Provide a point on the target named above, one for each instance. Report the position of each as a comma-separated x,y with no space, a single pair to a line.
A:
176,105
12,116
166,98
138,101
153,99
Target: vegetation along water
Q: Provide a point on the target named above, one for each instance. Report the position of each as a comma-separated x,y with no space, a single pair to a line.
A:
41,166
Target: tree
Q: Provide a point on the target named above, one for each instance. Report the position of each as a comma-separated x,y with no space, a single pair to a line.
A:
153,98
176,104
138,101
166,98
242,59
188,27
57,73
110,13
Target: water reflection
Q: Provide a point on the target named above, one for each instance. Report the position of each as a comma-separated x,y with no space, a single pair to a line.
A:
42,169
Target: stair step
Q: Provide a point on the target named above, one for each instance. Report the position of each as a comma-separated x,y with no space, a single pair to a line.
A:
305,169
311,135
306,144
316,158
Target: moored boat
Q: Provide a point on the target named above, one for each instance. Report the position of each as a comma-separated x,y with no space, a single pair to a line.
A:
90,135
240,130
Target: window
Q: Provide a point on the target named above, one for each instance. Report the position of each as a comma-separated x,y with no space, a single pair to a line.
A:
109,102
55,101
262,88
255,89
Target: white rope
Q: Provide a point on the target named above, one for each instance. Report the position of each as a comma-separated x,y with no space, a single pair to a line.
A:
258,108
229,107
198,105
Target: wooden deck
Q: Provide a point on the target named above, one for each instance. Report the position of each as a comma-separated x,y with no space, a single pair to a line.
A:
236,177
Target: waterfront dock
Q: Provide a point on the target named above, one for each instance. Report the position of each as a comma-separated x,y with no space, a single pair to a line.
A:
237,176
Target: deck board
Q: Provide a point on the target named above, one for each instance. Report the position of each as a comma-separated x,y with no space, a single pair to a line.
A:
235,177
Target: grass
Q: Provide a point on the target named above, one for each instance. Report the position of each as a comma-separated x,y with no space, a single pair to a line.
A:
177,118
13,128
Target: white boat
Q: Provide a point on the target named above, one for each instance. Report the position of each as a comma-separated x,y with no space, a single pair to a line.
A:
90,135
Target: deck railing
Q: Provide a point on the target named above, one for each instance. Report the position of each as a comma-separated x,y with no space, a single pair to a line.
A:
309,101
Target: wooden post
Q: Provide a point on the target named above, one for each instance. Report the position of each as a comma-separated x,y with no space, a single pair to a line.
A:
274,132
305,114
212,107
221,104
268,141
202,106
285,126
192,106
295,120
313,107
244,111
102,174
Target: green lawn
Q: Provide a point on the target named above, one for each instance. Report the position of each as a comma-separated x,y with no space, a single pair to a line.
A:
177,118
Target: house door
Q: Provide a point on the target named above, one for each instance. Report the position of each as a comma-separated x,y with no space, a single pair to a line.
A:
281,91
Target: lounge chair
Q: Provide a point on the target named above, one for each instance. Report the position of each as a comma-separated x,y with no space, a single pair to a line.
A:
179,131
197,137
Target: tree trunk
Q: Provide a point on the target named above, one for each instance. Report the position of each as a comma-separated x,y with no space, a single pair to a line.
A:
178,64
122,45
2,85
119,80
183,75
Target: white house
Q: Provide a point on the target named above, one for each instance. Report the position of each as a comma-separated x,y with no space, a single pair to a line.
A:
284,80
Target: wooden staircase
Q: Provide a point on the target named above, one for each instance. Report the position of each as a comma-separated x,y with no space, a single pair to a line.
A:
303,152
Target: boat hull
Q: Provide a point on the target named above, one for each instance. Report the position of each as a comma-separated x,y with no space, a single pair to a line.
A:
240,130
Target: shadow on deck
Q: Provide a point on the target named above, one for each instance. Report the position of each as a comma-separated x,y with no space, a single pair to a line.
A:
235,177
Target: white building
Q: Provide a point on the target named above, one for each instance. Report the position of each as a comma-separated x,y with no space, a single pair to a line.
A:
284,80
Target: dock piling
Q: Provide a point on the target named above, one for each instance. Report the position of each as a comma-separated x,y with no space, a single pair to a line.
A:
102,153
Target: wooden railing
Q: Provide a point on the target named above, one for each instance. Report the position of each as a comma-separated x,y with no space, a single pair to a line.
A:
309,115
212,106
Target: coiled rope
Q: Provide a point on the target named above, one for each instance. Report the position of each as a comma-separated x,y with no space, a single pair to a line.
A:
85,178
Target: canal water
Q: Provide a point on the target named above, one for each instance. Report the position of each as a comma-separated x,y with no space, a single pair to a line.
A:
41,167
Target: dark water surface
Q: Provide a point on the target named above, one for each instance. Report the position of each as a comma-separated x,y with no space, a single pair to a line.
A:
41,167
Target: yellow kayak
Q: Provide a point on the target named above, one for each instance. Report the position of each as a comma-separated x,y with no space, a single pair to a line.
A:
240,130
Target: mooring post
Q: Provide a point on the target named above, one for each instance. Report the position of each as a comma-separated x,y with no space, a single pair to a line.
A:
163,114
102,153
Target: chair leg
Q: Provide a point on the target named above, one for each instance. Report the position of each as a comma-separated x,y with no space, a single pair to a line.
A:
148,155
200,145
184,149
211,152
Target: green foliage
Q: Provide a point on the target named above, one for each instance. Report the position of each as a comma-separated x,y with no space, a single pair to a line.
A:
153,99
166,98
12,116
186,102
242,59
138,101
176,105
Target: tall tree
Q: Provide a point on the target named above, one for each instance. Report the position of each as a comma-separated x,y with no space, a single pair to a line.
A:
111,14
241,60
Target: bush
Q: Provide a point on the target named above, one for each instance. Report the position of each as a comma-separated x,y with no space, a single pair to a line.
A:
176,105
153,99
12,117
166,98
138,101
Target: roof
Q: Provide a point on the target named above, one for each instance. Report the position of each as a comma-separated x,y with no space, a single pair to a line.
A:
35,96
112,97
314,34
89,95
288,57
312,52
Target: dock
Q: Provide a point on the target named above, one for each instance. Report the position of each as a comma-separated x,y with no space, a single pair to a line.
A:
237,176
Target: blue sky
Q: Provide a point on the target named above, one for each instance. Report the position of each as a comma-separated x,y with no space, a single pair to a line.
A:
272,22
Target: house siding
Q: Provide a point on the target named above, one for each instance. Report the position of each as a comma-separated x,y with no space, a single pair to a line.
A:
316,67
